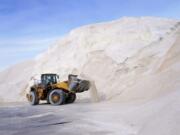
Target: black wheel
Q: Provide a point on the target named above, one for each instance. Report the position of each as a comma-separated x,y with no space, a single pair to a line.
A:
47,99
33,99
56,97
71,98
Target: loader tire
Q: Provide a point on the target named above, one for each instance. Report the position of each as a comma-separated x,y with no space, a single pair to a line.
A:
71,98
56,97
33,99
48,102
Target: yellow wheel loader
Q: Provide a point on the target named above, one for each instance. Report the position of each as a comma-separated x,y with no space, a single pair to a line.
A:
54,92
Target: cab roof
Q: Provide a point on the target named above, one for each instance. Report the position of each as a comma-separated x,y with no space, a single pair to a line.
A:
49,74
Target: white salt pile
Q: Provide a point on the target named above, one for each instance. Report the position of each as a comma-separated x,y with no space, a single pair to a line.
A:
130,59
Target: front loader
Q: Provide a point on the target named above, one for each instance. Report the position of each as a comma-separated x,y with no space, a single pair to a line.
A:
54,92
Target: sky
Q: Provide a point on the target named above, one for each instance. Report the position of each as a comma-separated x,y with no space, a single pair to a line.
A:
28,27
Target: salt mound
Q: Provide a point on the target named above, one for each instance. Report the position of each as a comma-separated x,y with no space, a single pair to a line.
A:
14,80
128,59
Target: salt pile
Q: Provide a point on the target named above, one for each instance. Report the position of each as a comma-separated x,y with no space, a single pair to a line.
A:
130,59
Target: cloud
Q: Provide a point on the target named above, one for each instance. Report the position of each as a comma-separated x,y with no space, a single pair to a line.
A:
19,49
25,44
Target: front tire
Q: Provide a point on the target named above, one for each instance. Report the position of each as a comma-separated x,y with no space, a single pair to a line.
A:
56,97
33,99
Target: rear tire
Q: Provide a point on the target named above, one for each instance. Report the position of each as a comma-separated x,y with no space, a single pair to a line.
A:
48,97
33,99
71,98
56,97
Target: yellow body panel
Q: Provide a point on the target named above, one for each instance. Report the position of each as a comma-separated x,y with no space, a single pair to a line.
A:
62,85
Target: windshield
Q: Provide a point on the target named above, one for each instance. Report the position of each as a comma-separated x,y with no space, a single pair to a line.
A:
49,79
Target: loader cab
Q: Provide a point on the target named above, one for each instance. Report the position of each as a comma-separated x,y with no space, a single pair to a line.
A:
49,79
